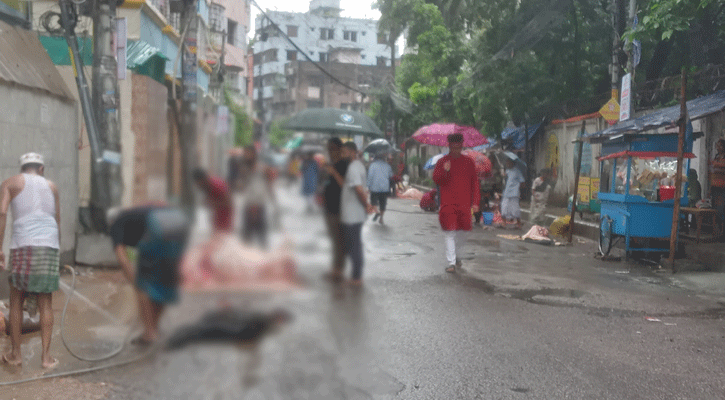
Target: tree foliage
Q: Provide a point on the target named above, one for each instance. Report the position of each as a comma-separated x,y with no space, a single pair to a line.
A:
560,69
278,136
242,121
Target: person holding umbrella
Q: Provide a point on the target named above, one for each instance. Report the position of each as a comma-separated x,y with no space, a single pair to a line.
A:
456,176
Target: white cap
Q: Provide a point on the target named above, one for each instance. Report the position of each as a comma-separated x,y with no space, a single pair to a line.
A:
31,158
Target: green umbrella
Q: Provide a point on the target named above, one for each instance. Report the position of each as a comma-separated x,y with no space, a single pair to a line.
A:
293,143
333,120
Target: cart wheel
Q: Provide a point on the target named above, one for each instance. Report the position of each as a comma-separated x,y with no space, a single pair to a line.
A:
605,235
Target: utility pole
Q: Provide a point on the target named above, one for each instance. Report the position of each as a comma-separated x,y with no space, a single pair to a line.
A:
187,128
526,156
260,98
630,51
100,197
394,133
615,50
678,174
106,100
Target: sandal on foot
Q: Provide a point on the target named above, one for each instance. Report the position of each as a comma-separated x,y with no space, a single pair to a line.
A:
52,364
11,363
451,269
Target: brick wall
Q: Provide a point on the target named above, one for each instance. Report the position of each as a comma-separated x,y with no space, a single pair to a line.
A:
150,128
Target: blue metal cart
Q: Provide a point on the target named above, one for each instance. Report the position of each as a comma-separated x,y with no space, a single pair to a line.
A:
633,217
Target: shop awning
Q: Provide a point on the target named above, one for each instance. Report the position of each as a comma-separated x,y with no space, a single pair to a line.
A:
145,59
644,154
697,108
515,135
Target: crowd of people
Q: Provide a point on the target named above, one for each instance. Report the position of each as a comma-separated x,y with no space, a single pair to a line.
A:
343,187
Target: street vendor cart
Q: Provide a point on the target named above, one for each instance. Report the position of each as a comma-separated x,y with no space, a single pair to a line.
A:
633,207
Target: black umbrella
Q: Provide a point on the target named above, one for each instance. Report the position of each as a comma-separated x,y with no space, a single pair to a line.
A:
333,120
378,146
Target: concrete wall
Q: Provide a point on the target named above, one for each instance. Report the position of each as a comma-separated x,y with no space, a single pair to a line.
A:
560,136
34,121
84,150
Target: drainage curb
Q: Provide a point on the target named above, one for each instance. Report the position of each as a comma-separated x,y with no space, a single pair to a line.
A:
583,229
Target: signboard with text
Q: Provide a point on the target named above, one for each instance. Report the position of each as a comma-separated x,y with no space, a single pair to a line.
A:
610,111
626,97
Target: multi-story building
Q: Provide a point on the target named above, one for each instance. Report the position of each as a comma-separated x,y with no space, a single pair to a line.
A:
152,31
229,22
349,48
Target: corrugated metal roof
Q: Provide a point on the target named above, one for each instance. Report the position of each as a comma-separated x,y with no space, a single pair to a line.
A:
697,108
139,52
516,135
147,60
24,61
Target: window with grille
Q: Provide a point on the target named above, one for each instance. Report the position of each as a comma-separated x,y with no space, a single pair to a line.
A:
291,55
327,34
349,35
291,31
216,17
175,21
324,57
231,32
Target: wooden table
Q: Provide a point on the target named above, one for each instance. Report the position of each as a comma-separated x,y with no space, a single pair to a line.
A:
699,213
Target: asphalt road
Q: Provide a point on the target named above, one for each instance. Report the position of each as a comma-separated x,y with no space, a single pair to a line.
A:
523,321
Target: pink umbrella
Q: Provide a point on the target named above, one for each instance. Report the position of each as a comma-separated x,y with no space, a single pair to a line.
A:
482,163
437,135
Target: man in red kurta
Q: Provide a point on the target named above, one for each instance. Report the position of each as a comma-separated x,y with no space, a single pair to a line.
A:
455,174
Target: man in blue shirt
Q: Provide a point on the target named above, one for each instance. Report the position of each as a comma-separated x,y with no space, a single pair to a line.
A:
379,174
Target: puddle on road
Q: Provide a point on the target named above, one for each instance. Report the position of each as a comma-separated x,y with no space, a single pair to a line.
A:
530,294
391,251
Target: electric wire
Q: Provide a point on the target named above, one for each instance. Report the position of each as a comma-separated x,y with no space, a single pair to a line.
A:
324,71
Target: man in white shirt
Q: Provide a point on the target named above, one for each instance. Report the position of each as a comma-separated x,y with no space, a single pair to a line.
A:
354,207
34,254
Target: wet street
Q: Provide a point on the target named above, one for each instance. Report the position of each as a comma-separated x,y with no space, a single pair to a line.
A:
522,321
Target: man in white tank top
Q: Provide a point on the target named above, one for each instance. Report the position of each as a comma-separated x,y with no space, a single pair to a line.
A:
34,250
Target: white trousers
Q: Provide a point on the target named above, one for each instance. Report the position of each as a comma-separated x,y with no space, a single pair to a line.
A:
454,242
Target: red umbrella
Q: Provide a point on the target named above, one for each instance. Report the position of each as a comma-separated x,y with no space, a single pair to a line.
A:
437,135
482,163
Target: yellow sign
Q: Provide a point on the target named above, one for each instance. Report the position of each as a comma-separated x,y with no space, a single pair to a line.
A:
610,111
594,184
552,156
584,190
